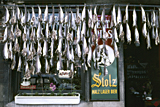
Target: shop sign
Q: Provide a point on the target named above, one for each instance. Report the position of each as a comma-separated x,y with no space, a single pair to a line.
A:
105,87
64,74
28,87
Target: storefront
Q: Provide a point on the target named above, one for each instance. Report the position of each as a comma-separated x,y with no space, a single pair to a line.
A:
65,51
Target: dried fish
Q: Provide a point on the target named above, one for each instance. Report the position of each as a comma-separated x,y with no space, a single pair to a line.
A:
19,64
148,41
128,34
121,33
89,57
5,36
45,48
148,22
39,14
13,62
5,51
90,20
153,19
46,15
16,46
136,35
38,65
156,37
144,30
61,15
134,18
7,16
78,18
47,67
143,15
13,18
10,53
116,52
126,16
119,16
18,32
18,13
84,13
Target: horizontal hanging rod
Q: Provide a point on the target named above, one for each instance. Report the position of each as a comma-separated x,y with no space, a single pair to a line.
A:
80,5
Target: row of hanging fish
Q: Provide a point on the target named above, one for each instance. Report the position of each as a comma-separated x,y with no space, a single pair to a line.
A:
29,39
37,41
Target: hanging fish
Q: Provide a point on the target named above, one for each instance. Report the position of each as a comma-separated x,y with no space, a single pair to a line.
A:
32,69
148,22
11,36
28,34
24,17
144,30
59,63
103,17
32,36
39,49
153,19
156,37
72,54
134,18
5,36
31,53
24,37
13,18
95,17
143,15
78,51
28,18
39,14
78,18
114,16
18,13
39,31
7,16
83,32
18,32
153,33
128,33
148,41
51,62
38,65
90,21
85,48
72,70
73,24
136,35
60,31
47,67
54,33
10,53
46,15
89,57
105,69
13,62
33,17
121,32
59,48
51,19
115,35
19,64
52,48
116,52
157,21
24,50
126,16
5,51
27,72
119,16
84,13
78,34
16,46
47,31
61,15
45,48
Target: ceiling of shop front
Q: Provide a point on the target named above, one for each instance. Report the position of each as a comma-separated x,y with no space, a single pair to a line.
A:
157,2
